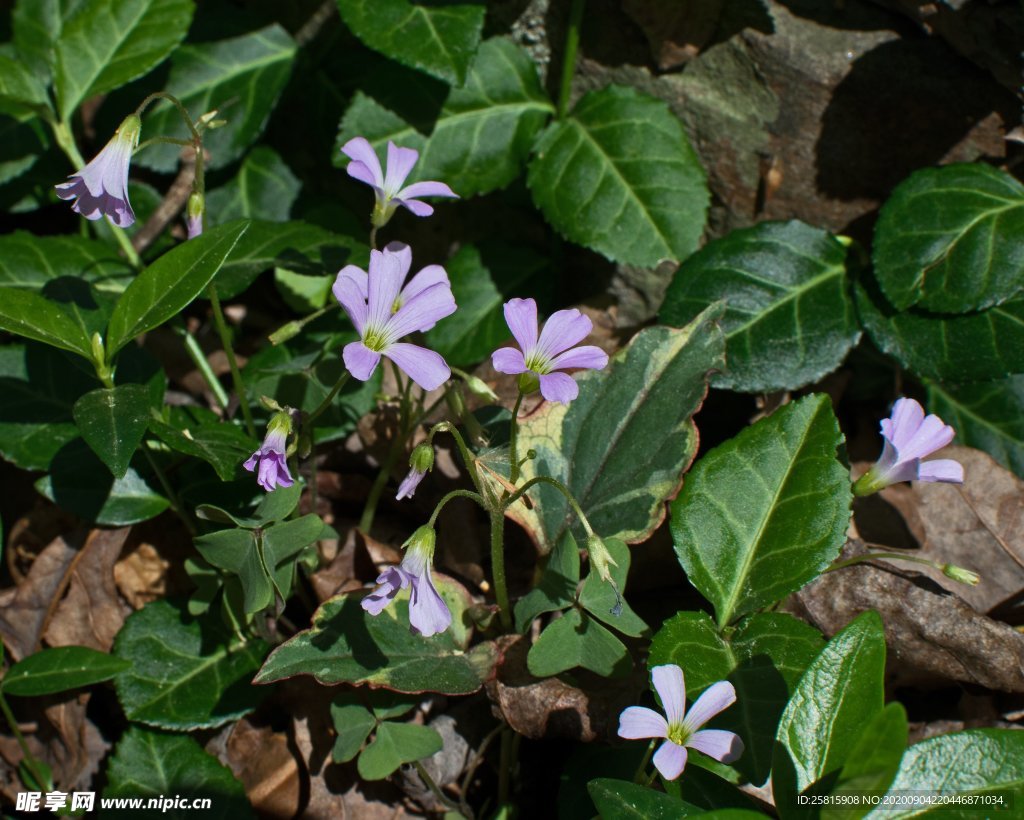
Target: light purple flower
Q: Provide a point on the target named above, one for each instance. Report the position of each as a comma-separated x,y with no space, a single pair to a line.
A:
407,489
682,730
909,436
428,613
101,187
421,461
194,211
543,357
271,458
388,186
384,313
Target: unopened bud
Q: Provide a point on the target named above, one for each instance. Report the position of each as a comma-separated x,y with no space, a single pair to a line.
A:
286,332
601,561
529,382
271,405
194,212
478,387
422,458
423,541
961,575
98,355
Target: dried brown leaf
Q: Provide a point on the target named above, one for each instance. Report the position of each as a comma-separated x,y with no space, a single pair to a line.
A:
262,760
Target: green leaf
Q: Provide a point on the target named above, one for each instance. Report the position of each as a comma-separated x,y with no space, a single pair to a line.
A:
20,90
198,432
167,286
973,763
186,673
971,347
34,316
763,658
106,43
600,599
113,422
557,587
346,644
574,640
840,693
395,744
353,723
483,278
149,765
619,176
60,669
31,262
241,78
263,188
789,318
624,443
631,801
764,513
237,552
481,134
948,239
80,483
986,415
439,39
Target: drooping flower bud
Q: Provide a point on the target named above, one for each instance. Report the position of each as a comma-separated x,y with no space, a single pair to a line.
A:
270,457
421,461
601,561
961,575
194,213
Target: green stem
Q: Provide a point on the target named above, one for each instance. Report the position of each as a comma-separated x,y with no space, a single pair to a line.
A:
513,441
451,497
871,556
195,353
172,496
558,485
498,568
326,402
572,43
30,760
397,445
460,442
163,95
447,802
643,763
160,141
505,767
236,375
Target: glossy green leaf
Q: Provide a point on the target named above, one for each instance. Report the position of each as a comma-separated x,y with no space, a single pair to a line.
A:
984,764
106,43
624,800
971,347
764,513
241,78
483,278
31,262
34,316
20,90
948,239
438,38
113,422
238,552
481,135
872,763
619,176
164,288
59,669
345,644
186,673
263,188
353,723
763,658
80,483
557,587
197,432
395,744
986,415
599,597
840,693
789,316
148,764
622,446
576,639
36,27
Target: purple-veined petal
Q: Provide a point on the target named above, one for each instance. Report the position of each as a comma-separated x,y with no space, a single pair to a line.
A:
428,613
588,356
637,722
428,188
383,287
403,253
521,317
358,170
903,422
389,582
407,489
425,367
723,746
252,461
889,458
941,469
273,472
508,360
358,276
360,360
560,387
671,688
900,471
422,311
414,205
428,277
670,760
400,162
346,290
933,434
715,698
360,151
562,330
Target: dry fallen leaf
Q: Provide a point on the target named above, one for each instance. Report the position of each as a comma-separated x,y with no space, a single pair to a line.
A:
262,760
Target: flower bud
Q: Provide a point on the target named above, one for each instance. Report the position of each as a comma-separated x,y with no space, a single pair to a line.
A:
478,387
98,355
286,332
422,458
600,558
961,575
194,212
529,382
422,543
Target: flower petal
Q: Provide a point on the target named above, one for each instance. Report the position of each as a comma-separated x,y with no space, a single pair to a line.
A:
638,722
670,760
407,489
360,360
404,254
941,469
588,356
421,312
351,297
521,317
428,613
560,387
562,330
932,435
508,360
400,162
723,746
671,688
903,422
428,277
414,205
389,583
368,168
383,287
716,697
428,188
425,367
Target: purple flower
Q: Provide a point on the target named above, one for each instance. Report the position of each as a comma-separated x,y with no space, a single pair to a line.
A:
194,214
909,436
540,358
270,456
101,187
428,613
420,462
384,312
680,729
407,489
388,187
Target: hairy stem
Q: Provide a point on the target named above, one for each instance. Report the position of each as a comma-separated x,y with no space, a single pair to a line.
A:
498,568
513,441
451,497
572,43
558,485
